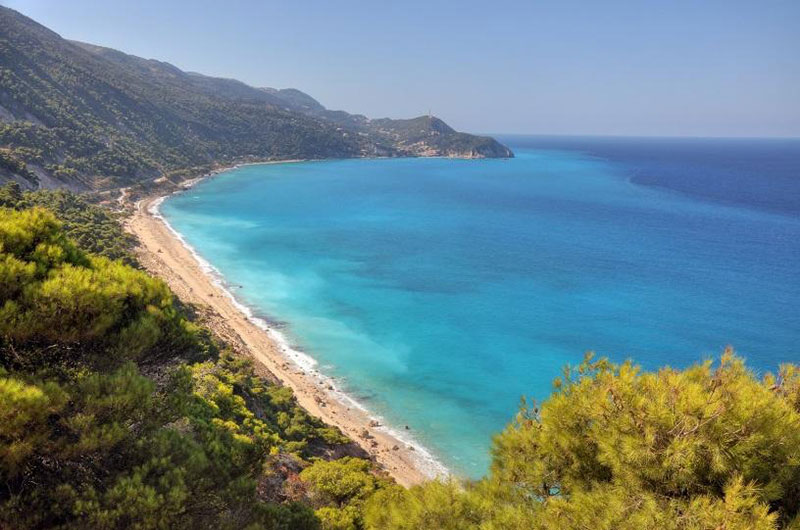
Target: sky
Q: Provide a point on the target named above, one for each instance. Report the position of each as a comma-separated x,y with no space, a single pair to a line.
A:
637,67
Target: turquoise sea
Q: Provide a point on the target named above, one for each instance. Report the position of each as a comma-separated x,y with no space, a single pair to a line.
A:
437,291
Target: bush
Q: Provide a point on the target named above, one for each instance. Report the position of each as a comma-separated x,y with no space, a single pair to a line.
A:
87,441
613,447
60,305
339,488
94,229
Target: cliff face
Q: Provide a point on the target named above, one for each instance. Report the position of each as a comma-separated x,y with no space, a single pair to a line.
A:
86,117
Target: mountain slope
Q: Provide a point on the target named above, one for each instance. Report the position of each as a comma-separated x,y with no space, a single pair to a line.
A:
86,117
421,136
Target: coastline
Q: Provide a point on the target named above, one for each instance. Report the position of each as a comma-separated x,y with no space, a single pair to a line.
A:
165,253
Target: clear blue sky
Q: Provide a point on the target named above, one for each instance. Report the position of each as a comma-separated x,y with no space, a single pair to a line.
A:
668,67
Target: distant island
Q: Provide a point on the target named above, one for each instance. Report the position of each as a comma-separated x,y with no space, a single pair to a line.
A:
85,117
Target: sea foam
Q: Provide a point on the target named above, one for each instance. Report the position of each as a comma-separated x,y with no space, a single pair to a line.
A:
424,459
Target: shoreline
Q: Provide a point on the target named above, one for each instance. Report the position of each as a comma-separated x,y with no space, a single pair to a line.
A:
165,253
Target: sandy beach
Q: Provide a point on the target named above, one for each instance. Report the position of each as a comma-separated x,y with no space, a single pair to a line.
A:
164,255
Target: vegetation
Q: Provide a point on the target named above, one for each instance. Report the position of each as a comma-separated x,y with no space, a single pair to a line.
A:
93,229
106,421
92,117
85,113
339,489
709,447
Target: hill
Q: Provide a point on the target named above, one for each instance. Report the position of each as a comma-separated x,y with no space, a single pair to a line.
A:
421,136
81,116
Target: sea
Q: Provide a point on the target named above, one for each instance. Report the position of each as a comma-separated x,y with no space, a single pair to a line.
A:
437,292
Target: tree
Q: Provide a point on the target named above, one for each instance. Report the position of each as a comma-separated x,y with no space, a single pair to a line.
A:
63,306
88,441
339,488
615,447
10,195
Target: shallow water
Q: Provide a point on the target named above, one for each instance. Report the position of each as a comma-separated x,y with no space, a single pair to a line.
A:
440,291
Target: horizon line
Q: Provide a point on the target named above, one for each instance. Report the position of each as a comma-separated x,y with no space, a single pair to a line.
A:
653,136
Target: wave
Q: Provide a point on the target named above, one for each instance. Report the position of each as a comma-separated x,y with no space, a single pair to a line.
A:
425,460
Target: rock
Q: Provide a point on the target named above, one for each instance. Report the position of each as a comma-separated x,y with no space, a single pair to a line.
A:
374,423
395,448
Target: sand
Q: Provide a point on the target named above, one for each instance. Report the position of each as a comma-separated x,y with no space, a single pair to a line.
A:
165,256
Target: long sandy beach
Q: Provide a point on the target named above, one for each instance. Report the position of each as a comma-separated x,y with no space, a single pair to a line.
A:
164,255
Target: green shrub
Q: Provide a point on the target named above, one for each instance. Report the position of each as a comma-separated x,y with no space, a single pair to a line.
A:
60,305
94,229
615,447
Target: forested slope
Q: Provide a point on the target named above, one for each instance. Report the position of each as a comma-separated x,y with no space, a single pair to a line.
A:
87,117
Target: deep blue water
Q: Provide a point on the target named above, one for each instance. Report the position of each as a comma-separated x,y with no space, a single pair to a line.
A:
440,291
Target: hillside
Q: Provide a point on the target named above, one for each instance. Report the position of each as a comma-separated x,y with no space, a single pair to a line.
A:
421,136
81,116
